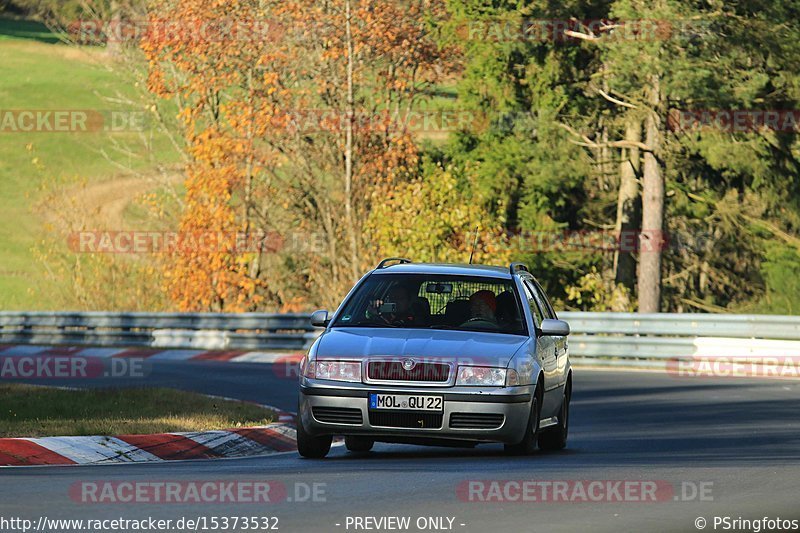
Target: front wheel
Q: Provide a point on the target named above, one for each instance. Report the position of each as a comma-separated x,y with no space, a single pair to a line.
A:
555,438
527,445
310,446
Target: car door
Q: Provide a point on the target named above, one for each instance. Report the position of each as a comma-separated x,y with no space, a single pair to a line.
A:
545,350
559,341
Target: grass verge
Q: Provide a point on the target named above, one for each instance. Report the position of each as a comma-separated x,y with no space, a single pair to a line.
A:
32,411
36,75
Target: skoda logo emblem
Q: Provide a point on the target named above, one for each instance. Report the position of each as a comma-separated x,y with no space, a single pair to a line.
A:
409,364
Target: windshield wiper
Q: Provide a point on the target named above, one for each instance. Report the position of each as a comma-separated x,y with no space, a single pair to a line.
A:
367,324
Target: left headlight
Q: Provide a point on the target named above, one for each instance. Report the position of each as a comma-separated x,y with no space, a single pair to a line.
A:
481,376
333,370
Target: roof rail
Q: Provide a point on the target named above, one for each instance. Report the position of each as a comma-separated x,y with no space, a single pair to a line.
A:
518,266
400,261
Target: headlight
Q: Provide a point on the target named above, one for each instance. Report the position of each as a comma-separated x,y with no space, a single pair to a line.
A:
481,376
333,370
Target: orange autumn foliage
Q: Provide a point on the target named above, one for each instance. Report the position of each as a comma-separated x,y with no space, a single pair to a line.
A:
266,110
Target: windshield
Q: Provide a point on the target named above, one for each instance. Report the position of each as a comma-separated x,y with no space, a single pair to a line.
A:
466,303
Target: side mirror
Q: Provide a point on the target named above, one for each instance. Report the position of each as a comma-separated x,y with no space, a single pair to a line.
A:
320,318
554,328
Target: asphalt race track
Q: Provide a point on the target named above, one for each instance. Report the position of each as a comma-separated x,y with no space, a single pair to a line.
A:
729,446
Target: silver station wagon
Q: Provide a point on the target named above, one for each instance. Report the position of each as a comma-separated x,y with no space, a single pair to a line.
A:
451,355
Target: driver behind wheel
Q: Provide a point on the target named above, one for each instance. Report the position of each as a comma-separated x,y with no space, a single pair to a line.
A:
482,306
395,308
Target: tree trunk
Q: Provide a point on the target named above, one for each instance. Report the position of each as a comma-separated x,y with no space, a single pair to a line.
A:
651,239
115,33
348,151
629,209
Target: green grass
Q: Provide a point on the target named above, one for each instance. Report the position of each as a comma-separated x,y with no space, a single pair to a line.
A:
41,76
31,411
443,106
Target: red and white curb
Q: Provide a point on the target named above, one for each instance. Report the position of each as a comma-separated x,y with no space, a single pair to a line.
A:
240,442
151,354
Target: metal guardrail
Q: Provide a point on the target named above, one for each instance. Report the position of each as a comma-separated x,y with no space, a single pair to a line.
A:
686,325
161,330
597,338
631,339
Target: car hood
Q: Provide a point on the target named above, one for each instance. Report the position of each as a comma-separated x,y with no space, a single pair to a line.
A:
464,347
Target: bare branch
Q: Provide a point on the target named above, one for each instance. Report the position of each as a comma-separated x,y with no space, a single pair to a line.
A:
582,36
613,100
630,144
588,143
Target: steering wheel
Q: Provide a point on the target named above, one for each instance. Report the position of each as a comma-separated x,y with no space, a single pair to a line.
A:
480,321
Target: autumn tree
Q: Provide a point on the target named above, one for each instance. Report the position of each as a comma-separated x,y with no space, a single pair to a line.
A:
296,132
219,90
444,220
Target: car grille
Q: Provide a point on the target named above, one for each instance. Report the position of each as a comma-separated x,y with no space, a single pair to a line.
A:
394,371
337,415
476,420
406,420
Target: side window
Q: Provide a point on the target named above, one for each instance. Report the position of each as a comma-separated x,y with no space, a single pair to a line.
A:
535,309
548,309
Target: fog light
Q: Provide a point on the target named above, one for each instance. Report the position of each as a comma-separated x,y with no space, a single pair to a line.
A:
512,378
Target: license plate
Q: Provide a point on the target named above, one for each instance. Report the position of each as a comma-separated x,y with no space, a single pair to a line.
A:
409,402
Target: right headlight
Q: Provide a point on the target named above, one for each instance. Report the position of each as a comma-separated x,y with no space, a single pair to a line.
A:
483,376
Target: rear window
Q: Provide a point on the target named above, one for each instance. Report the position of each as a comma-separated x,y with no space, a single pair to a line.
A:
467,303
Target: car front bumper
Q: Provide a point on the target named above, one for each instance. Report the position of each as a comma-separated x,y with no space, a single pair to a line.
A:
495,414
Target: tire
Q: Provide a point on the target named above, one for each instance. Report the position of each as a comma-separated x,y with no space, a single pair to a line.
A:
555,438
527,446
358,444
312,447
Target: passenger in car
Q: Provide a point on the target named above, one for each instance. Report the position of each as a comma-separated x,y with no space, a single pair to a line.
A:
482,306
